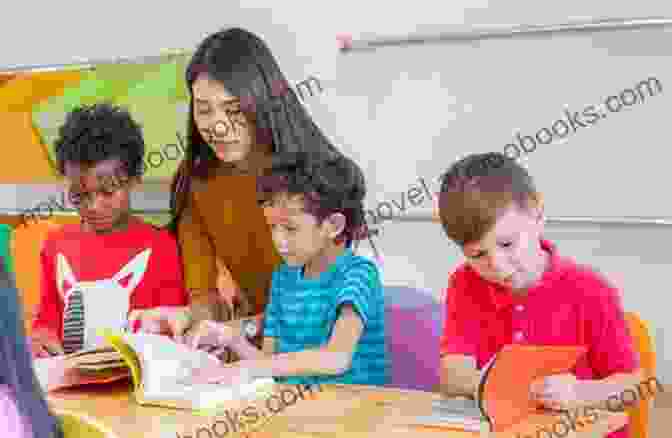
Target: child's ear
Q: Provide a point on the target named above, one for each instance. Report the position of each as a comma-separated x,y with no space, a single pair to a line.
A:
536,205
336,224
540,218
540,210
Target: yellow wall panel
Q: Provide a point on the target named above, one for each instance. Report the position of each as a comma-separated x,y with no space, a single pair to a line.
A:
26,90
24,158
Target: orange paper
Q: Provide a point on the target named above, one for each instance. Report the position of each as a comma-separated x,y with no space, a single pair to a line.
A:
505,388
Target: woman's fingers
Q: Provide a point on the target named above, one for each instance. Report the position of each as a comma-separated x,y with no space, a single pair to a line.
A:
221,266
218,351
188,336
228,292
226,285
158,320
180,322
195,336
203,329
211,333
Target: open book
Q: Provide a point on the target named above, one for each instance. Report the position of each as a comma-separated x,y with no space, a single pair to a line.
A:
454,413
156,365
503,398
85,367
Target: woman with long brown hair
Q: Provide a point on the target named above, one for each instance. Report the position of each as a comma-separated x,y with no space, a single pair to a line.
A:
241,113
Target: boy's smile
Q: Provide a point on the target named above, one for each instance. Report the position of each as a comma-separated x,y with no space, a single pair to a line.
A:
100,193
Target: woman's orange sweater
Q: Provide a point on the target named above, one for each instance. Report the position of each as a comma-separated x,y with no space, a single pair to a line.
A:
223,219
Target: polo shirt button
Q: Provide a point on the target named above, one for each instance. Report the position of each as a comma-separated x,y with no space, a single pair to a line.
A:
518,336
520,307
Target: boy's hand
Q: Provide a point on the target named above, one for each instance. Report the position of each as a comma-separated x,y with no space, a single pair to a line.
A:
45,344
565,392
161,320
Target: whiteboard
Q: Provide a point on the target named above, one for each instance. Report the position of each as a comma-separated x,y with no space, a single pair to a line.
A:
426,106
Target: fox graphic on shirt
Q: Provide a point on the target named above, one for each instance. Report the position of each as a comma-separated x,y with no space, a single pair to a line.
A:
92,281
92,305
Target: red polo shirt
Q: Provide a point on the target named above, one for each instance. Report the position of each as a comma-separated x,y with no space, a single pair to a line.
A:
570,305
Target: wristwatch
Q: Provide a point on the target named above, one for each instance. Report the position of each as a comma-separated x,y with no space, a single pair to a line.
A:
250,328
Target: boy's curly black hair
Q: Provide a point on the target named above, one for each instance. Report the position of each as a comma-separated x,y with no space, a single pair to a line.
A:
98,132
328,185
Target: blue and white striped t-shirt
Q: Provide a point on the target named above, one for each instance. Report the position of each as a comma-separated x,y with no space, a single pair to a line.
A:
301,314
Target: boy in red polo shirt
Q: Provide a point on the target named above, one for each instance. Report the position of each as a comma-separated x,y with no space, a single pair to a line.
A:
97,272
514,288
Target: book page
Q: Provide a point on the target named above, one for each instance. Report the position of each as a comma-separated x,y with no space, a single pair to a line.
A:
98,360
166,363
207,397
163,360
461,413
129,356
88,351
55,373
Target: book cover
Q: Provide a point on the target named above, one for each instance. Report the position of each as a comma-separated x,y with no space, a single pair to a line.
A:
504,396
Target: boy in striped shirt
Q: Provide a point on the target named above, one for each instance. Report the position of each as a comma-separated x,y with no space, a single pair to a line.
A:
324,322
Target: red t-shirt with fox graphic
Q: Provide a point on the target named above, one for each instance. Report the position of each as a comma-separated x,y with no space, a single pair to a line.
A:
91,281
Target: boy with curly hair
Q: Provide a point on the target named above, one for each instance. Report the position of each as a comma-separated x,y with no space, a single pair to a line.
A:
325,321
96,272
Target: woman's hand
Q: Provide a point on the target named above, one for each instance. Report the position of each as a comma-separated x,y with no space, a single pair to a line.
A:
227,287
162,320
209,334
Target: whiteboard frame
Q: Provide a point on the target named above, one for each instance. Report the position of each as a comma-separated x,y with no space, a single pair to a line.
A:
426,215
482,33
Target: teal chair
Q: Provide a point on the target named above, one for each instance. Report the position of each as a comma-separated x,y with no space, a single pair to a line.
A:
5,246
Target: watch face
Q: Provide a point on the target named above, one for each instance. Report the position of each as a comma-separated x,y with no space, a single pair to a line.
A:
250,328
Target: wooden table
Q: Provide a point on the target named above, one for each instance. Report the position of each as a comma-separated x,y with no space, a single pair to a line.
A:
336,411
